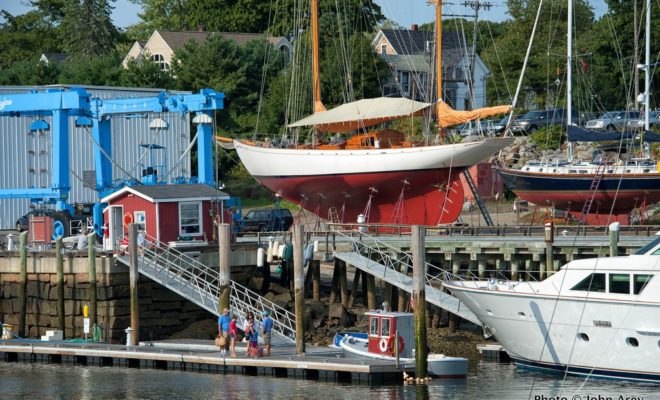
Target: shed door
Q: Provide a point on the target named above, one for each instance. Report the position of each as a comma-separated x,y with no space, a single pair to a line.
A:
116,226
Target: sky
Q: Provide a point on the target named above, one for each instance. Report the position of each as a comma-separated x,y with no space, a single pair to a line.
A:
404,12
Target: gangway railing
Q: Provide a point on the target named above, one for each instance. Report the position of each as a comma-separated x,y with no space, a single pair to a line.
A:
199,283
393,266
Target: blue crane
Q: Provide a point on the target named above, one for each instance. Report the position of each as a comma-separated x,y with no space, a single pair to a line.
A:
97,113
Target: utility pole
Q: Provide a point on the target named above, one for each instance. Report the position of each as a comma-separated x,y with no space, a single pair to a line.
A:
476,5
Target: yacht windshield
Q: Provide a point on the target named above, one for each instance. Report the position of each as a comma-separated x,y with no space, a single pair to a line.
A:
650,247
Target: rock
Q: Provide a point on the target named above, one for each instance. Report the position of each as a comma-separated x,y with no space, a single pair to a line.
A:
281,300
339,312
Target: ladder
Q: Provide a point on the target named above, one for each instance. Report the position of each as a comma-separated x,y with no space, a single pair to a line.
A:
199,283
333,216
477,198
593,189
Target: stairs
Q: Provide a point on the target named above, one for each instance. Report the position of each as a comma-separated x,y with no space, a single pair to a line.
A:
198,283
384,262
477,198
598,177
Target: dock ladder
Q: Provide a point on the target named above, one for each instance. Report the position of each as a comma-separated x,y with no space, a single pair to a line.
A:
199,283
477,198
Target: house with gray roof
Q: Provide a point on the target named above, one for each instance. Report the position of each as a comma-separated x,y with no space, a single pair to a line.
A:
162,44
409,53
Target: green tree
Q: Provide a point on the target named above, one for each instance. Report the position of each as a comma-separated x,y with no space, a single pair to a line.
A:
104,70
145,73
87,29
24,37
30,72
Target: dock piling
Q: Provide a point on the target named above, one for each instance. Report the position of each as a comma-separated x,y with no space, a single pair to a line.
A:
224,243
133,277
316,280
299,287
419,273
22,283
354,288
91,272
59,265
614,239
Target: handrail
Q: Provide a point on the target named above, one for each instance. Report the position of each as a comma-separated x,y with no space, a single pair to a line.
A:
204,281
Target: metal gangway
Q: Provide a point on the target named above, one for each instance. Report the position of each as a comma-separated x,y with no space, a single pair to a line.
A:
199,283
385,262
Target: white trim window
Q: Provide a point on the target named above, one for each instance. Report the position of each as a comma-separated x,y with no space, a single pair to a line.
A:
140,218
190,219
159,60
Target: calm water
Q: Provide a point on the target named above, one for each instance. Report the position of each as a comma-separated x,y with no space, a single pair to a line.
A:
487,381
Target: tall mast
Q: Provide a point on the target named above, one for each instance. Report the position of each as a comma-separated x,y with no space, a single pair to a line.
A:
647,67
438,59
316,80
635,57
569,65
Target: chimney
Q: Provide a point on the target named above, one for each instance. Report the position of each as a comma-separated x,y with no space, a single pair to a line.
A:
414,27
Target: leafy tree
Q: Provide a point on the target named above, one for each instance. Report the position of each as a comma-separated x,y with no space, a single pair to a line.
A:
87,29
144,73
105,70
25,37
30,72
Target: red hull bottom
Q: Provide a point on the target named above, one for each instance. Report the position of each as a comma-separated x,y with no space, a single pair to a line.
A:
424,200
602,203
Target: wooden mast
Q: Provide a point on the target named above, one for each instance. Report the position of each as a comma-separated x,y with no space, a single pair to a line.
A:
438,62
316,80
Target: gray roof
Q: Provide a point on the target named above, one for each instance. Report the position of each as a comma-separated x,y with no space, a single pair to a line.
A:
177,39
179,191
409,42
55,57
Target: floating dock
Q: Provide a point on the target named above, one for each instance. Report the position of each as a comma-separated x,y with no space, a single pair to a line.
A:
323,364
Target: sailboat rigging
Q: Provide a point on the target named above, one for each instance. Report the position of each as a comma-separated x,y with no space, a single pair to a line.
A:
368,166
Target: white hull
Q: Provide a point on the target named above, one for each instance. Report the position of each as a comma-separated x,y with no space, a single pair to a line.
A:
438,364
548,325
268,161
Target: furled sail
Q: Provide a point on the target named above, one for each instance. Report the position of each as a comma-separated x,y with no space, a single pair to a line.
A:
448,116
362,114
577,134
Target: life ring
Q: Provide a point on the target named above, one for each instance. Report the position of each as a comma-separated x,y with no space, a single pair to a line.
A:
390,344
383,345
128,219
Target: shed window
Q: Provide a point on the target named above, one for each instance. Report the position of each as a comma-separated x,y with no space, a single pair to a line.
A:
373,327
190,219
592,283
385,327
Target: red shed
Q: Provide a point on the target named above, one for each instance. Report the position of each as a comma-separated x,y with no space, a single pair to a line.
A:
166,212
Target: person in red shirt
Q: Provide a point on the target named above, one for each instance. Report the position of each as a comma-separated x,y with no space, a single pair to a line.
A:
232,336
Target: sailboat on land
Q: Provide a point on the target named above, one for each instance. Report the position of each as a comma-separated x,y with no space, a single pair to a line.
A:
377,175
609,186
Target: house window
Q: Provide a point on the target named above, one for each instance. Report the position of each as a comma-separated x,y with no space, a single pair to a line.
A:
190,219
159,60
404,80
383,49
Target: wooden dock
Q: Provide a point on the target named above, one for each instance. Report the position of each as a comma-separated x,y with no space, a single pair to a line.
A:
324,364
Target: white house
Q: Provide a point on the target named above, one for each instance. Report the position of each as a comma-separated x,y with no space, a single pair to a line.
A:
409,53
162,44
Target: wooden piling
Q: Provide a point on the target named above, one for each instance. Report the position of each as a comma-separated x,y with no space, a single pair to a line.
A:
365,278
419,274
59,265
91,273
265,284
515,267
387,295
354,288
316,280
22,283
614,239
343,284
299,287
133,278
335,282
371,291
224,247
481,267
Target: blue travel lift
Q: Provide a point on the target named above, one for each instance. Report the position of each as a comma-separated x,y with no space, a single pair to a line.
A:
97,113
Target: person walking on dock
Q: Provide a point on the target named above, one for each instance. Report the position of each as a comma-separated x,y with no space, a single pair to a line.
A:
249,319
232,336
223,326
267,326
253,343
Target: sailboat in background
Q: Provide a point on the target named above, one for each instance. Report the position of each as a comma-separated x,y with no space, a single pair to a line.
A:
376,175
608,187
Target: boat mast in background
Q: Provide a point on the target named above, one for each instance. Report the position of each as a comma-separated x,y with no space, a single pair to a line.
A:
647,67
438,62
316,74
569,75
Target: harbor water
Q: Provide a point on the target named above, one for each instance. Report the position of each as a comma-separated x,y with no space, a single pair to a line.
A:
486,380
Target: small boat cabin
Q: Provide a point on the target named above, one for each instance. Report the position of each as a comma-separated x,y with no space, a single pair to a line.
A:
383,327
